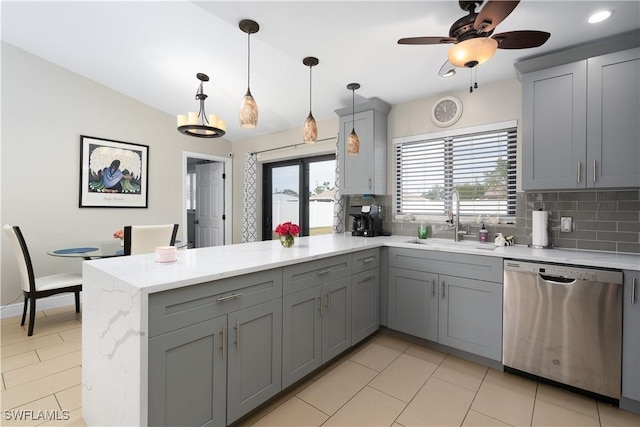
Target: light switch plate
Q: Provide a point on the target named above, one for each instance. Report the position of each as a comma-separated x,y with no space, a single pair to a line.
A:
566,224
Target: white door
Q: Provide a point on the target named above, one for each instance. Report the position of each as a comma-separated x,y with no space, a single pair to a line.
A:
209,204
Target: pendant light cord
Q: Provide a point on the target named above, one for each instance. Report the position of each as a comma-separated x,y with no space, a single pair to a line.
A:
248,57
353,110
310,80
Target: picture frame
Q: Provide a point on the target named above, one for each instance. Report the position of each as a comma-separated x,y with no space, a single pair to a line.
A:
113,174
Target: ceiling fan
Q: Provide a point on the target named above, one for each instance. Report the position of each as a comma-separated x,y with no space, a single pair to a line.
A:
471,35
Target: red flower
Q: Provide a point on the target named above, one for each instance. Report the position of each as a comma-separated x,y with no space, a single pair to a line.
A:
288,228
118,234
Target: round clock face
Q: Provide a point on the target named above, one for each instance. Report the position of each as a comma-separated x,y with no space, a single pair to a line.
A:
446,111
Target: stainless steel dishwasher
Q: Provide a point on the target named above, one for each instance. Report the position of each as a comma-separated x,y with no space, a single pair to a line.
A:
564,323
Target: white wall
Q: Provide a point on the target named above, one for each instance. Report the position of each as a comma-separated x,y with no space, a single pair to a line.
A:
45,109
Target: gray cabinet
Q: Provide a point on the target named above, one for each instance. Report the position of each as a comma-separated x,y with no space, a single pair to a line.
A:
580,124
453,299
364,173
316,314
631,342
365,294
215,349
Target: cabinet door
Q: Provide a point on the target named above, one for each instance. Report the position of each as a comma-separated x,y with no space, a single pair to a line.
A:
357,172
364,304
255,357
336,318
631,339
187,376
554,128
413,302
471,316
613,131
301,334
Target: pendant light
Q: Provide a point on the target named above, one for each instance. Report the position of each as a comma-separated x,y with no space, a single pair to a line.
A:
353,142
248,109
310,129
210,127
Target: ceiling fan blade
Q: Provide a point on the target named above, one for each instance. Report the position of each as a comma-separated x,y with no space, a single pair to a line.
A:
492,14
447,69
426,40
521,39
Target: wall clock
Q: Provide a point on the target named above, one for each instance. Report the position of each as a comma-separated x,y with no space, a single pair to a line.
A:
446,111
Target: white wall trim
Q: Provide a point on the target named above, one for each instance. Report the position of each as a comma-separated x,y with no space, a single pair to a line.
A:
48,303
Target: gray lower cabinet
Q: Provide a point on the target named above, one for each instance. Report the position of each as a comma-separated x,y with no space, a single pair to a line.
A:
631,342
365,294
413,302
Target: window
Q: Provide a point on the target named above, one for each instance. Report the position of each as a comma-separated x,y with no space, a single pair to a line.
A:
480,163
191,191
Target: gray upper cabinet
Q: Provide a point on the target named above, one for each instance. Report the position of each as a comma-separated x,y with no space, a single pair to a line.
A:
366,172
580,124
631,342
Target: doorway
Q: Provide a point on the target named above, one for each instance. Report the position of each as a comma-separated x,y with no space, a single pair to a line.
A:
207,200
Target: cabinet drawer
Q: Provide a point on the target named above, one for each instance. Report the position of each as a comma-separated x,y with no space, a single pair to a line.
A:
309,274
460,265
178,308
365,260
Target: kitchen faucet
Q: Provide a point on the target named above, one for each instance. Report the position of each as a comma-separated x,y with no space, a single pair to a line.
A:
455,219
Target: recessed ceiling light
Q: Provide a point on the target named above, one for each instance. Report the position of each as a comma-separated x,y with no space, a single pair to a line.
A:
599,16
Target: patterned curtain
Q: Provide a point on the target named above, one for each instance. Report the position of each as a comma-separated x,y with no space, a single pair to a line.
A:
249,211
338,201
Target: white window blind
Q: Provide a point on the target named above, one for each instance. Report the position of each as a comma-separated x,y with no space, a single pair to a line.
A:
480,165
191,190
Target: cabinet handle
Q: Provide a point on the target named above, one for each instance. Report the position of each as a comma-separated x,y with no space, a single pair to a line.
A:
579,171
228,297
444,285
224,341
369,183
238,335
633,291
367,277
321,294
328,303
433,287
325,271
594,171
366,260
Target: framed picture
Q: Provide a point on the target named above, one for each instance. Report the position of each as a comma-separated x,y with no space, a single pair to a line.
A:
113,174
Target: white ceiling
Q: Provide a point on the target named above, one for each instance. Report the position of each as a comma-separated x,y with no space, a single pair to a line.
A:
152,50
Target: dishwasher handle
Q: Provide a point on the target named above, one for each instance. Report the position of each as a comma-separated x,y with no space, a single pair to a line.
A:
557,280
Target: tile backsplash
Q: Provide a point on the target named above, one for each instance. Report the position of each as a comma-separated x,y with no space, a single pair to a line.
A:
605,220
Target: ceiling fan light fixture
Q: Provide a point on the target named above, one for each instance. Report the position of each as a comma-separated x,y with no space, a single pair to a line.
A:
248,114
471,52
600,16
310,128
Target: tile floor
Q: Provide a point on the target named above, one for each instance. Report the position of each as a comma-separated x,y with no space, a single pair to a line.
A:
386,381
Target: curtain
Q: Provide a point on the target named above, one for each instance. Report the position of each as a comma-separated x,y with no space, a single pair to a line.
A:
338,201
250,199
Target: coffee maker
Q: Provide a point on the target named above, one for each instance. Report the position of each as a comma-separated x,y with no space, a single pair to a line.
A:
367,220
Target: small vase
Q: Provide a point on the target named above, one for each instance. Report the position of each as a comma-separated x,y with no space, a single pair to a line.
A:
287,240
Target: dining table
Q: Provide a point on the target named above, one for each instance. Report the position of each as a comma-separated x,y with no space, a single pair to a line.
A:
95,250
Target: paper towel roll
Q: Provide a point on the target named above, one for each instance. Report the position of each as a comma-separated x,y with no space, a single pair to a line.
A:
539,234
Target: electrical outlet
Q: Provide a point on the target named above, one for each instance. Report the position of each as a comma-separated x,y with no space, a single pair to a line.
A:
566,224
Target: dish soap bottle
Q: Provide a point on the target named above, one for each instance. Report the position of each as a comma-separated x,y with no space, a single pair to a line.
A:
483,234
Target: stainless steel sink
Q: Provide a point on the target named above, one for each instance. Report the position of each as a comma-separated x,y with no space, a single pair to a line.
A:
448,244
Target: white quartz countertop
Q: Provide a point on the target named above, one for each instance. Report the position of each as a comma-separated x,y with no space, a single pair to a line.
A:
207,264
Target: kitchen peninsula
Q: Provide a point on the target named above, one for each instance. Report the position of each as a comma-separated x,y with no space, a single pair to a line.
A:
135,310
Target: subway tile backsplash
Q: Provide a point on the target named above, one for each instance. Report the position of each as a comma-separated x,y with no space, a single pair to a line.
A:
607,220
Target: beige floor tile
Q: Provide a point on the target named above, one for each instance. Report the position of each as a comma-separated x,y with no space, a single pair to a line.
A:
548,414
34,342
61,310
404,377
293,412
339,385
71,334
34,390
476,419
74,420
369,407
375,356
71,398
438,403
40,370
18,361
567,399
391,342
33,413
15,320
426,353
56,350
44,326
507,398
461,372
610,416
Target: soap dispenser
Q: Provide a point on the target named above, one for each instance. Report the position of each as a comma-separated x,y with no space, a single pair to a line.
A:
483,234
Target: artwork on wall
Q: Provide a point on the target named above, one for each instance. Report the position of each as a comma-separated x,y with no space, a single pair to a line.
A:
113,174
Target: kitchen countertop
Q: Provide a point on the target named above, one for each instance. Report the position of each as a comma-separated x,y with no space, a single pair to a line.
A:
206,264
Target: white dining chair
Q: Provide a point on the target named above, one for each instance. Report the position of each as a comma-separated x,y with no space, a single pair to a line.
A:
144,239
34,287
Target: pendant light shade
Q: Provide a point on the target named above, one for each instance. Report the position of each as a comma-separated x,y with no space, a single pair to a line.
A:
249,108
353,142
208,126
310,129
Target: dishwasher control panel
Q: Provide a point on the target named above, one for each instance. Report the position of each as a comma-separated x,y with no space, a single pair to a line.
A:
565,271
